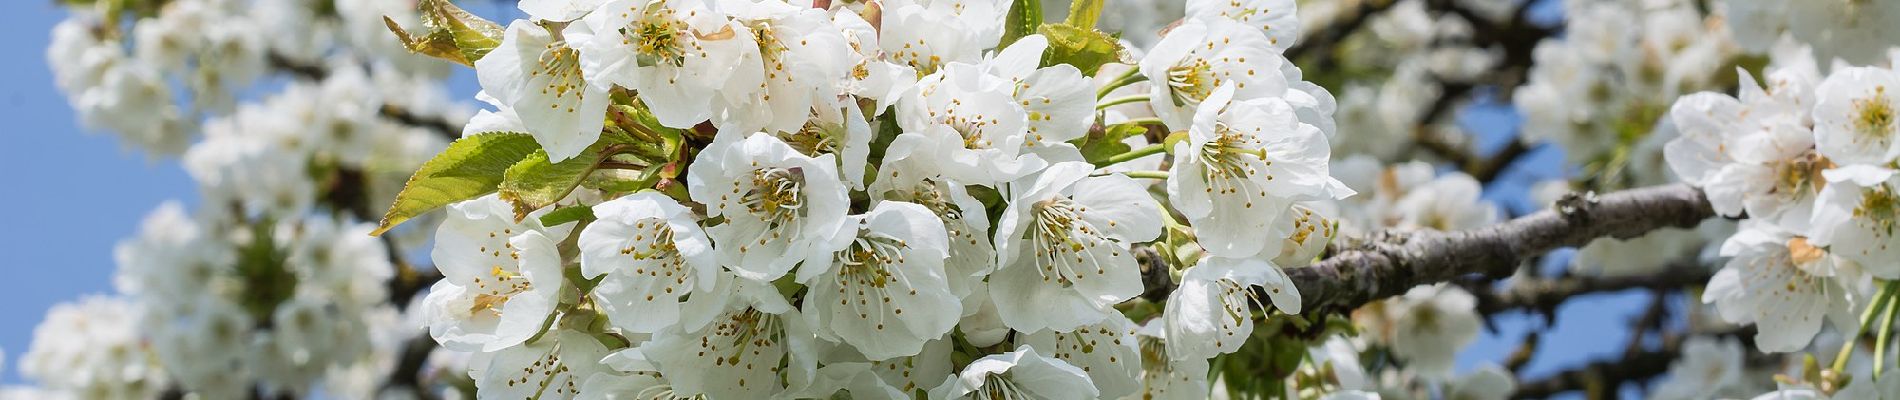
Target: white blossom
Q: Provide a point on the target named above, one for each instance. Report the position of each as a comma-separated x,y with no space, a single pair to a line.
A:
1063,247
885,293
1020,374
500,278
780,207
543,79
651,256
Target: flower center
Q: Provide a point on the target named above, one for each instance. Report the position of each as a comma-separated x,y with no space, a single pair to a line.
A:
750,329
1063,242
658,36
1802,176
1228,168
1192,82
561,65
814,138
1874,116
548,369
1880,206
998,386
777,194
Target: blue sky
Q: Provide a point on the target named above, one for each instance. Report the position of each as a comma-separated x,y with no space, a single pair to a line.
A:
73,194
70,194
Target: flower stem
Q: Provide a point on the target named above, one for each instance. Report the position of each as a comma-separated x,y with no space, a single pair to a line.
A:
1147,174
1131,155
1146,121
1128,77
1881,298
1121,100
1886,331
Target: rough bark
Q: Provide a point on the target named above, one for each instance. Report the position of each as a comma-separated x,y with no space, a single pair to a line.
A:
1394,262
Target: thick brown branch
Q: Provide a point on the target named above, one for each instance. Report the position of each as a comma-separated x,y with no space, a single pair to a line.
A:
1389,265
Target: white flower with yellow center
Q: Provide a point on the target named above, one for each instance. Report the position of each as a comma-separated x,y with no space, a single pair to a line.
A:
1857,116
935,33
1242,167
652,254
1164,377
674,54
1431,323
835,126
552,367
542,79
1057,100
1212,312
965,221
1107,351
871,76
1278,18
500,279
1204,54
966,106
1776,176
885,292
1020,374
780,207
1063,247
743,353
629,375
1780,283
795,58
1857,215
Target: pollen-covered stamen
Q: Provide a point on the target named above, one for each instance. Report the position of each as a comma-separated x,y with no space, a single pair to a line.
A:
657,257
931,195
970,125
500,284
561,65
1879,209
659,35
1237,303
776,195
1084,341
1874,118
1065,243
1801,177
739,340
865,278
1191,82
815,138
1000,386
549,374
1229,168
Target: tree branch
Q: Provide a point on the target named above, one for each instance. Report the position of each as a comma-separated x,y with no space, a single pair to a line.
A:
1394,262
314,72
1544,295
1601,378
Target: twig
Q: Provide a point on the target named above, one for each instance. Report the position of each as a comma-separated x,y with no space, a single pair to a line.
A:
1393,263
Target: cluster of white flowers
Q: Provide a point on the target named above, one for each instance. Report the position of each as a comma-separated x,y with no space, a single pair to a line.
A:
1856,31
1807,159
869,204
1603,84
1408,196
270,287
92,349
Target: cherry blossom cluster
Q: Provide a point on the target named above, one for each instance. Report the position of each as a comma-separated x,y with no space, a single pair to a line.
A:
1806,158
271,287
884,212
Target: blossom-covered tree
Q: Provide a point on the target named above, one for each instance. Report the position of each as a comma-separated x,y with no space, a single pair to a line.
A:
947,199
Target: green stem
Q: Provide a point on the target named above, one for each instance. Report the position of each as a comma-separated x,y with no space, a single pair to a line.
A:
1147,174
1881,299
1129,77
1155,121
1131,155
1121,100
1880,341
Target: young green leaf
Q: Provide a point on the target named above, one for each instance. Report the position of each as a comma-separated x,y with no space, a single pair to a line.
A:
471,167
567,214
1083,47
1024,17
452,33
537,182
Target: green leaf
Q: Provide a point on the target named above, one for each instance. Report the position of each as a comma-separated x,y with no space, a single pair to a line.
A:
538,182
471,167
1085,48
1098,146
1024,17
451,33
1083,13
567,214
